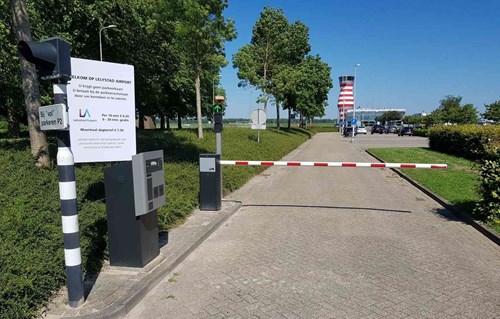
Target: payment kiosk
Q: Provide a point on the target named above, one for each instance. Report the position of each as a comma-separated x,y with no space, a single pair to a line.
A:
134,191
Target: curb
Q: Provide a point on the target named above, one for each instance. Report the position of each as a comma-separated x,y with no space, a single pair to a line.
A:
124,304
478,225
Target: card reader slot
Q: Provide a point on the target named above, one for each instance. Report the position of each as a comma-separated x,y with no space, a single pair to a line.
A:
150,189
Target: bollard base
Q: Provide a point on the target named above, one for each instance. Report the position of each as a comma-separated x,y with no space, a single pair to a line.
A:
210,182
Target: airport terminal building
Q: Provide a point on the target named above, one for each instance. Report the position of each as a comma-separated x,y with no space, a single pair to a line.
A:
367,116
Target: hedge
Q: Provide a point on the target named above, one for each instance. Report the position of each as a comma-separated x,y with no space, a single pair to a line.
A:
469,141
480,143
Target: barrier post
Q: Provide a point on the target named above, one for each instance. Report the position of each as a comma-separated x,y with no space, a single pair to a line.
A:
210,182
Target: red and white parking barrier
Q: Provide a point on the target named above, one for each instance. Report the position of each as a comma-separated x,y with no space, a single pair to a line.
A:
333,164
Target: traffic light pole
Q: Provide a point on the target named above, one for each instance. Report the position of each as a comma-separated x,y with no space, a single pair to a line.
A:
53,60
218,126
218,143
69,211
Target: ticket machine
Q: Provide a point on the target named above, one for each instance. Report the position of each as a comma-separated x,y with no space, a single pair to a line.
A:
134,191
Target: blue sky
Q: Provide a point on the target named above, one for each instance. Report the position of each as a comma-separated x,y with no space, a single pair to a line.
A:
412,52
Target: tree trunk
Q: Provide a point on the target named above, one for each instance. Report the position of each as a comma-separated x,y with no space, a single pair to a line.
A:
278,114
141,120
265,82
168,123
162,122
289,118
198,104
38,140
179,123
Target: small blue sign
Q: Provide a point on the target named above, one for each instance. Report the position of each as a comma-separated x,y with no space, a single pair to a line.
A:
353,121
342,122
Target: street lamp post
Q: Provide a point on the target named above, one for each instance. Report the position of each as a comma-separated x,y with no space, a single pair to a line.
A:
354,98
100,37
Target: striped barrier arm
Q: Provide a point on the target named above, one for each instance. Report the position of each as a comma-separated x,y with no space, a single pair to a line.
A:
333,164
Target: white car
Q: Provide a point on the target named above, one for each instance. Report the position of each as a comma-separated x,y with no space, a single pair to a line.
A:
361,130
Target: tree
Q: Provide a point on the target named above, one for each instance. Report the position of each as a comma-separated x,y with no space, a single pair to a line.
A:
304,88
276,46
389,116
202,31
257,62
450,111
38,141
413,119
294,46
492,112
10,81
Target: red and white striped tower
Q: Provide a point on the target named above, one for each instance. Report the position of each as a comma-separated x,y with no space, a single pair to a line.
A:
346,96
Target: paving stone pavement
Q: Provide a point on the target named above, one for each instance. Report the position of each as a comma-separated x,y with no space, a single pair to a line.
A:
333,243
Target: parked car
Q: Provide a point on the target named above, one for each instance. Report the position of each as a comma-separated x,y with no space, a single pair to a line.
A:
391,129
378,129
348,131
406,130
361,129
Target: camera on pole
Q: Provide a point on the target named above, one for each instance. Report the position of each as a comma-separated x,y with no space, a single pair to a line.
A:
52,58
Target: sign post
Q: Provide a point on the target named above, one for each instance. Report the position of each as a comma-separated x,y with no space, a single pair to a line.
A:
353,125
53,60
259,119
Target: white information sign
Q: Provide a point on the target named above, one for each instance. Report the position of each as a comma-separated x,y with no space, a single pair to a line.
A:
101,104
53,117
258,126
259,119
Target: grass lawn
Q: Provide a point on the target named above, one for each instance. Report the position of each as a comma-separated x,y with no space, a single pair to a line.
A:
458,184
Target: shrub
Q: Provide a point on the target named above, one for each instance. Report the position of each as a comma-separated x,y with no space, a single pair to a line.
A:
481,143
488,207
469,141
421,132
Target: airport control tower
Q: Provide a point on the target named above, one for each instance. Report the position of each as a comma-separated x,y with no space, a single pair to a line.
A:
346,96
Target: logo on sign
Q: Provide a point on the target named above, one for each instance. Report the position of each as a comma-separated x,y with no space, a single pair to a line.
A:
84,113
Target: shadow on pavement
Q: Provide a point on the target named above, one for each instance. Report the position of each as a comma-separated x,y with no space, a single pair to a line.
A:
331,207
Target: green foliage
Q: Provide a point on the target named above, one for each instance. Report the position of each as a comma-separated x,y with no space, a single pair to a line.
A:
276,47
304,87
11,95
477,143
201,31
492,111
450,111
31,263
489,206
413,119
389,116
421,132
164,40
31,254
469,141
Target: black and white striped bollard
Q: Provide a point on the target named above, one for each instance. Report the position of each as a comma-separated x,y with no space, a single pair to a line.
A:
69,211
